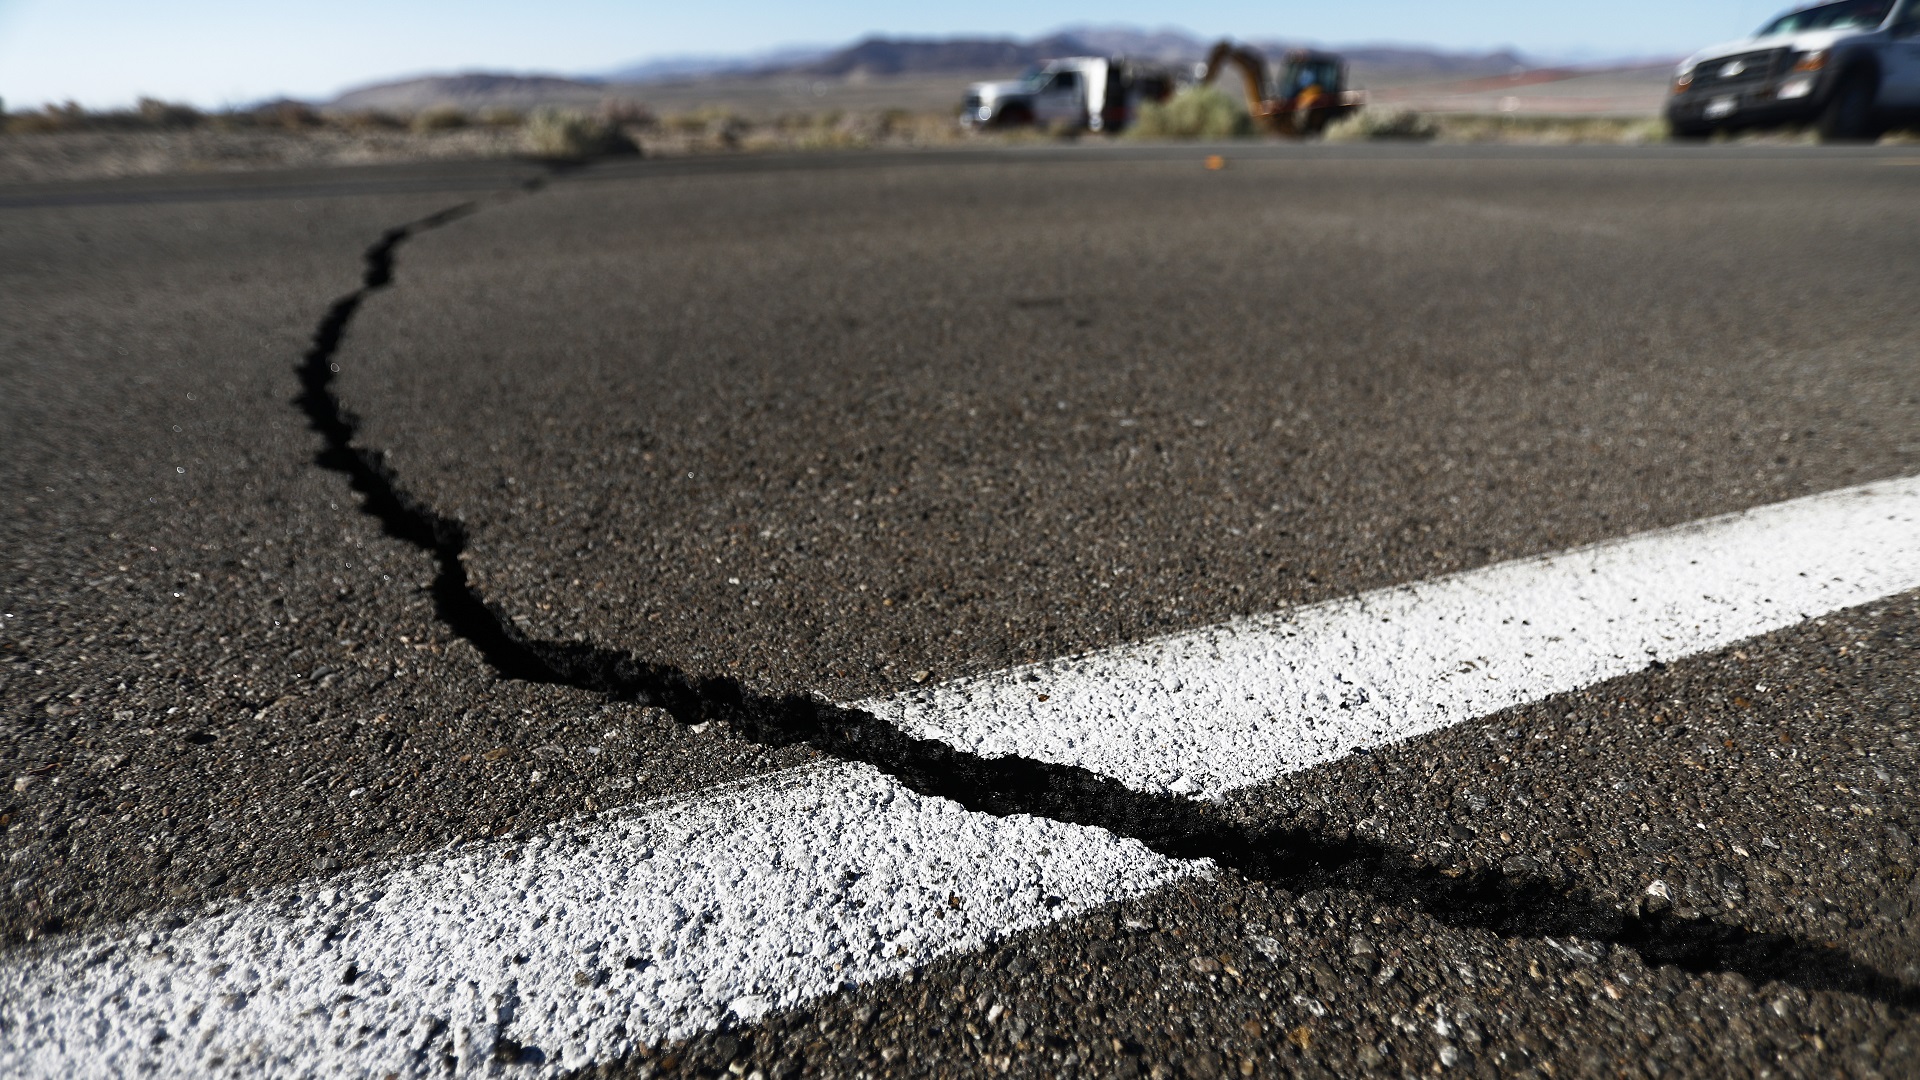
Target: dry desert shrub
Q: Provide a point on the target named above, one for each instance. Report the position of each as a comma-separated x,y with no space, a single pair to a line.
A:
439,118
629,115
923,128
150,114
1383,125
1196,112
368,120
53,118
573,136
713,121
167,114
287,115
1550,130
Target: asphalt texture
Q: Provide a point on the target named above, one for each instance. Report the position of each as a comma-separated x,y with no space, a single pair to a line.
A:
842,426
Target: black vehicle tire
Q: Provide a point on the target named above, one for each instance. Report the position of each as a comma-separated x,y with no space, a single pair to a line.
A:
1014,116
1849,114
1689,133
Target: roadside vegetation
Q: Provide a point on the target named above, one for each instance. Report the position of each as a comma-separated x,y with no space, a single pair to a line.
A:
153,117
1549,130
1194,112
575,136
70,142
1383,125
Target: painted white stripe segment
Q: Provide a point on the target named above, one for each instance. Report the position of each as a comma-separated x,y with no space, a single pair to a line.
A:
645,925
1206,712
662,921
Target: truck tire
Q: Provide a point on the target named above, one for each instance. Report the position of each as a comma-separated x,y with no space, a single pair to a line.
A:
1014,116
1849,114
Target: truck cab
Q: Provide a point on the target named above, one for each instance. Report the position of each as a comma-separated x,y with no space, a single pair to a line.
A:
1063,90
1849,68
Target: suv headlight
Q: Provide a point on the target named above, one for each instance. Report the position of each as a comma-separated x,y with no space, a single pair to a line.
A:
1683,77
1811,61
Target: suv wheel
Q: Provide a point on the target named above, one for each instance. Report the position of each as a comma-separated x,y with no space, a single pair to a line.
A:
1014,116
1849,115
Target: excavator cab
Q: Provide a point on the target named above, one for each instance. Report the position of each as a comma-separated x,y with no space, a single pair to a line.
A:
1311,87
1312,71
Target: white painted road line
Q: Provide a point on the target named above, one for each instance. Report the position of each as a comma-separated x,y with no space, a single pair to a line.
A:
658,922
646,925
1206,712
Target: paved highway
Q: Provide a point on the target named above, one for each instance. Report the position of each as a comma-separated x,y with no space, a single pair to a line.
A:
1358,611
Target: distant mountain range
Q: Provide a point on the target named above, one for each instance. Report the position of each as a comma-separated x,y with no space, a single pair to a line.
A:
885,57
471,91
907,56
676,68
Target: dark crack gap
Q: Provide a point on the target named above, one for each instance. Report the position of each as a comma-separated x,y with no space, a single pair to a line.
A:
1505,904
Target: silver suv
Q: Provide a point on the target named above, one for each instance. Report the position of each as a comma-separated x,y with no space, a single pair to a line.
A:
1850,69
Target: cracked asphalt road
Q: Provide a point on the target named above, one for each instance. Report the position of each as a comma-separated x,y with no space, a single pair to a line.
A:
834,426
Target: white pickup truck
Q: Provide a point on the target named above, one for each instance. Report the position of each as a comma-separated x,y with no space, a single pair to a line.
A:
1849,68
1081,93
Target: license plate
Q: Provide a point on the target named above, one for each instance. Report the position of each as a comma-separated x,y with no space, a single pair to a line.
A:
1719,107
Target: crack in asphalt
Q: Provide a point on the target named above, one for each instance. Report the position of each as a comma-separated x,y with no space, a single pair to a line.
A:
1509,905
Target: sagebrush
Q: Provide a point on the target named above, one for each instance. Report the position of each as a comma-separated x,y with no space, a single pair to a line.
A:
574,136
1196,112
1383,124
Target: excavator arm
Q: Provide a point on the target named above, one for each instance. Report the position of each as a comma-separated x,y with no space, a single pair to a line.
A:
1253,73
1265,106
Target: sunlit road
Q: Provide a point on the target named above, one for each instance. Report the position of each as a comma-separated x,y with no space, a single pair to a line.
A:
1020,612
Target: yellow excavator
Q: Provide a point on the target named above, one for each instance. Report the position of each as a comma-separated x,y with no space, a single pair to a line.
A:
1310,94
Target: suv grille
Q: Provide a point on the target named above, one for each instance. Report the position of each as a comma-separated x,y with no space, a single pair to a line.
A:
1742,70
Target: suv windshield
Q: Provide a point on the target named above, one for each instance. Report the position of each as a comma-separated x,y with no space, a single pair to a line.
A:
1856,14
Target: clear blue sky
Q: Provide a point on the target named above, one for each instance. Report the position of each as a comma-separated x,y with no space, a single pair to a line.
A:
215,52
